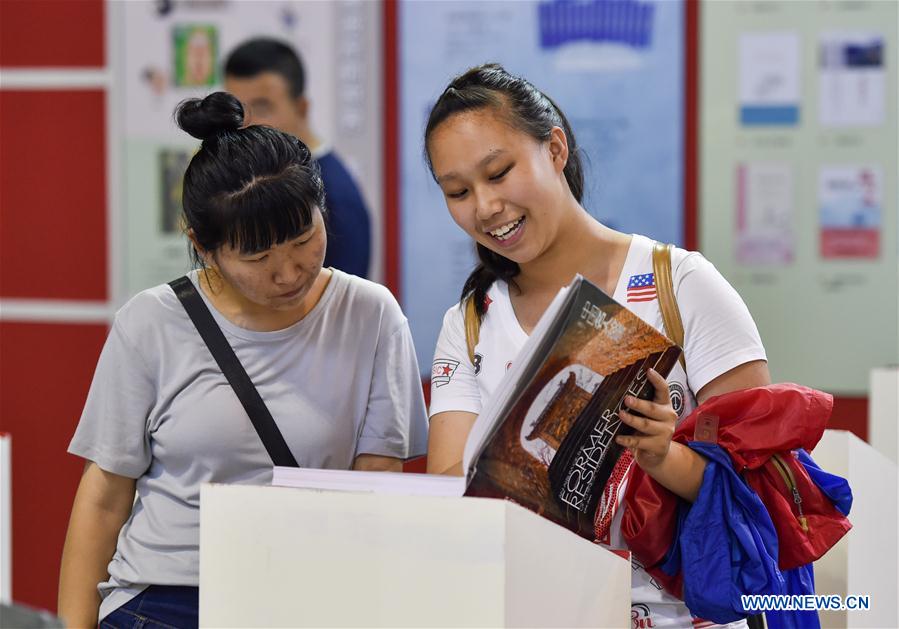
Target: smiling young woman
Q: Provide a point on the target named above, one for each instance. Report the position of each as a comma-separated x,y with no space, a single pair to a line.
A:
508,164
329,353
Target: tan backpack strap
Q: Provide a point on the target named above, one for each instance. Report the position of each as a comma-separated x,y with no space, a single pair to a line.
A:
472,327
661,267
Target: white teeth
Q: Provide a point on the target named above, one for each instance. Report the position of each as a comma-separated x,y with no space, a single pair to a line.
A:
500,232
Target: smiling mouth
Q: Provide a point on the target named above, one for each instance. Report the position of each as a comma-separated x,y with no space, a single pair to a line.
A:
507,231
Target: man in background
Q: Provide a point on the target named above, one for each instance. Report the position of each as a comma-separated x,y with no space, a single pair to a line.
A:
267,76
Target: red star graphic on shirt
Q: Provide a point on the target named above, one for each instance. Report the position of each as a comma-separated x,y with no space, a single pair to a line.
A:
446,370
487,302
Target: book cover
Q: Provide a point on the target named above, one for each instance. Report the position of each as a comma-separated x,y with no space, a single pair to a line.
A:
554,448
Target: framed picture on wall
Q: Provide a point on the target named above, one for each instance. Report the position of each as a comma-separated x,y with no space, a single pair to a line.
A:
172,164
195,55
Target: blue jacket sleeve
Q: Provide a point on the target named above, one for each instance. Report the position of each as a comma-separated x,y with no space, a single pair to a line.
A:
834,487
799,581
727,545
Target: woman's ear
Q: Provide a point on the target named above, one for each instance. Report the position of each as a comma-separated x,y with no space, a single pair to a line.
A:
204,255
558,148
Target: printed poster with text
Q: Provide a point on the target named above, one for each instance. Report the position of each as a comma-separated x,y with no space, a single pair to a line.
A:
849,203
852,80
769,79
765,206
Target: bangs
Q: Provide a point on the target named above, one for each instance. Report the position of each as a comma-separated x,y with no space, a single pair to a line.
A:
268,211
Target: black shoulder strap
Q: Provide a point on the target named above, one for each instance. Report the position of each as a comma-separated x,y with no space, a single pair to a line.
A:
224,355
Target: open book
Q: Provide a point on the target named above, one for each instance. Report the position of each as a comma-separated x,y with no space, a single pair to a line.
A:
546,439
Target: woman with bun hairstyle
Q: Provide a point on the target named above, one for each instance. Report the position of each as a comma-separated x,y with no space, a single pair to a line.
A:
508,164
330,354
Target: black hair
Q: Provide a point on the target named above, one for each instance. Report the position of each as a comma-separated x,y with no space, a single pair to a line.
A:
525,108
268,55
248,187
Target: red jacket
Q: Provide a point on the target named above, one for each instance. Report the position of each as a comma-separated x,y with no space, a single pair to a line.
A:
752,425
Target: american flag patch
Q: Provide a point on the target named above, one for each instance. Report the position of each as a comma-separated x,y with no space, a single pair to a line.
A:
641,288
442,371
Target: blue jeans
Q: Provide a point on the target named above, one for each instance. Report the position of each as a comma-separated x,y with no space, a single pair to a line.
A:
157,607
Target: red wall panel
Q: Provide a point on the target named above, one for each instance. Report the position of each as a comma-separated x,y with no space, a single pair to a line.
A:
45,372
850,413
53,194
691,125
52,33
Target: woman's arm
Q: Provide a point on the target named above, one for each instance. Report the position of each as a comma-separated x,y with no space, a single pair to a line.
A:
746,376
447,434
395,424
102,505
377,463
673,465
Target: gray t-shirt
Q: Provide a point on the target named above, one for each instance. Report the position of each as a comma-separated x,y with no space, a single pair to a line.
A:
341,382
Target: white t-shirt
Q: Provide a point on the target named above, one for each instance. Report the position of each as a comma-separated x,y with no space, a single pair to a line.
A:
719,334
341,382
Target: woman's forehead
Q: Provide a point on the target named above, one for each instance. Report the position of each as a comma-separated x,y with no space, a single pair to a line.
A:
475,121
473,136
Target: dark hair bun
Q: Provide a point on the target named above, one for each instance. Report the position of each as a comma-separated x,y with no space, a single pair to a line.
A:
208,117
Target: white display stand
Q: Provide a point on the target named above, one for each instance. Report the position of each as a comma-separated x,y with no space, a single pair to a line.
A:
5,518
883,411
279,557
865,561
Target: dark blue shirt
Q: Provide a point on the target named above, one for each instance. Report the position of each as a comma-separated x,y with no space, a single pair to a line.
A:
349,226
